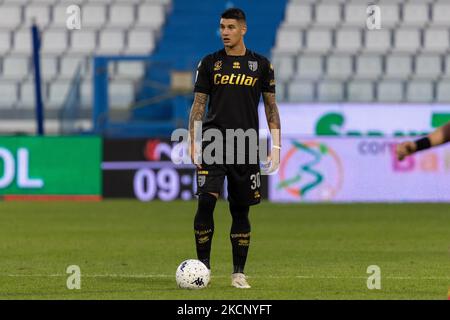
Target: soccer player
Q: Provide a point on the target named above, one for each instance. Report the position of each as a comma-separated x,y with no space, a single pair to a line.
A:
440,136
233,79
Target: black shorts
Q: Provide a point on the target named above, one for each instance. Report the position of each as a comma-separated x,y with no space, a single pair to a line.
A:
244,181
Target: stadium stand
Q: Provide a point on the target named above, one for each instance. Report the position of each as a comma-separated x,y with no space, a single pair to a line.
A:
321,49
324,52
108,27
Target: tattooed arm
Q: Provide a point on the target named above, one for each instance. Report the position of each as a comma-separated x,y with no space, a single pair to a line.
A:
197,112
273,120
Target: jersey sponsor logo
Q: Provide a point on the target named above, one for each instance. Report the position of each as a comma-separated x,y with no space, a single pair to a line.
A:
236,65
202,172
253,65
272,83
239,79
218,65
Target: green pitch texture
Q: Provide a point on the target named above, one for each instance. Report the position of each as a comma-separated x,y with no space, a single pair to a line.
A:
130,250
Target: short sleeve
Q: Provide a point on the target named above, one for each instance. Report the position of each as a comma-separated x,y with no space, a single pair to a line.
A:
202,77
268,81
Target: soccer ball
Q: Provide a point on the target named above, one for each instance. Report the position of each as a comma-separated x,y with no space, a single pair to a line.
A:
192,274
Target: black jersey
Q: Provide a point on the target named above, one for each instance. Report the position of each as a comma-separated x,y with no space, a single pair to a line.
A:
234,85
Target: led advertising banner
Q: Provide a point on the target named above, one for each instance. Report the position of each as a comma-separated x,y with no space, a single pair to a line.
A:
358,170
143,169
376,120
43,167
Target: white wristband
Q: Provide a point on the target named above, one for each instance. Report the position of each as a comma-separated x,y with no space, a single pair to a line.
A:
276,147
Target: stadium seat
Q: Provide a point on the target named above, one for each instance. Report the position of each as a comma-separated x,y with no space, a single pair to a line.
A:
140,41
93,15
339,66
111,42
415,14
16,67
328,14
8,94
436,40
447,67
398,67
288,40
360,91
443,92
57,93
428,66
49,67
150,15
83,41
69,65
390,13
5,42
54,41
298,14
121,94
301,91
39,13
390,91
440,14
348,40
309,67
22,41
419,91
377,41
406,40
368,66
59,16
330,91
284,66
121,15
129,70
10,16
318,40
355,15
27,94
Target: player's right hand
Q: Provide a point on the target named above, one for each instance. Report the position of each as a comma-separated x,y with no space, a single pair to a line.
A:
192,153
405,149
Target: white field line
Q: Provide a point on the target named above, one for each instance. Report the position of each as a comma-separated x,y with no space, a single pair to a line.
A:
145,276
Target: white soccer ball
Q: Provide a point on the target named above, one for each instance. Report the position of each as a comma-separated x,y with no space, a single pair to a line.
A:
192,274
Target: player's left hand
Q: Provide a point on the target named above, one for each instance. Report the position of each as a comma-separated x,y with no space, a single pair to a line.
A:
274,160
405,149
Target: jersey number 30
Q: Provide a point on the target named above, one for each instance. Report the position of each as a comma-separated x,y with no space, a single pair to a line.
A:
256,181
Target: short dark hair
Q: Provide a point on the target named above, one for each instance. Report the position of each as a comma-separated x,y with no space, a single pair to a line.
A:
234,13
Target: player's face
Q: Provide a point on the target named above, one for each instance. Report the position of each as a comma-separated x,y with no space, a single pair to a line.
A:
232,31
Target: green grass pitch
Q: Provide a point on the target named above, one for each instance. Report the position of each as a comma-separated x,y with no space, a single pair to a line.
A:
130,250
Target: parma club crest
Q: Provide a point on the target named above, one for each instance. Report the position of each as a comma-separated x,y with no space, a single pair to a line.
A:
253,65
201,180
218,65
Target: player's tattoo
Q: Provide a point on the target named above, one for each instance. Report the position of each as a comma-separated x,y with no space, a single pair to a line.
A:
271,108
197,110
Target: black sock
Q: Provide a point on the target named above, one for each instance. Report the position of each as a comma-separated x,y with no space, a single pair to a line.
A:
204,227
239,236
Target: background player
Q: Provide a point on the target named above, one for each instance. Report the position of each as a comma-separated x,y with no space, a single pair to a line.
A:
233,79
440,136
